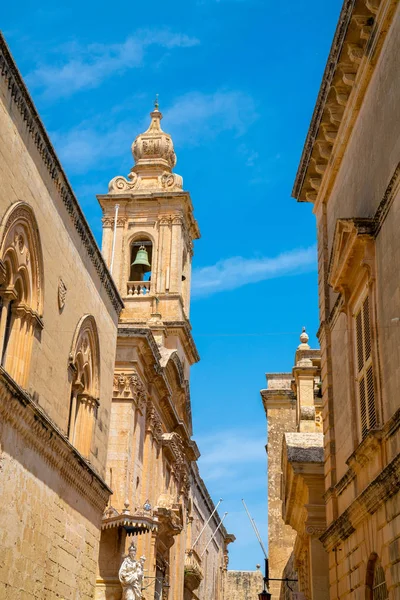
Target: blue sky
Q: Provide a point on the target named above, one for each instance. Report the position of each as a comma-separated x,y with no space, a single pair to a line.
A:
237,82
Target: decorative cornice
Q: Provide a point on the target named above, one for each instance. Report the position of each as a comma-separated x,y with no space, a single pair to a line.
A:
330,70
24,104
351,238
359,37
43,436
127,331
186,328
387,200
274,399
379,491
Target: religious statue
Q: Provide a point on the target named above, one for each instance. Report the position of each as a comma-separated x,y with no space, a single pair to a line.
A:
131,575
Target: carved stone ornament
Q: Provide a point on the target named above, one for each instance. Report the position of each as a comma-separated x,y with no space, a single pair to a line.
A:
153,422
62,293
120,185
171,180
130,386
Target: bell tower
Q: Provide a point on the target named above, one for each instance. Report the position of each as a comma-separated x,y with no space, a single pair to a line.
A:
148,234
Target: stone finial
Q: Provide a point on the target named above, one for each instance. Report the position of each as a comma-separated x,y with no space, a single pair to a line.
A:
304,340
154,155
154,147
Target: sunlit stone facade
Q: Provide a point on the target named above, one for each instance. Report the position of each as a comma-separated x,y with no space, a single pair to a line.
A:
57,350
296,510
95,412
148,234
350,171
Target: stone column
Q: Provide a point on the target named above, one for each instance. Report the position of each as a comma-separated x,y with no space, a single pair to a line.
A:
176,255
319,567
163,266
3,322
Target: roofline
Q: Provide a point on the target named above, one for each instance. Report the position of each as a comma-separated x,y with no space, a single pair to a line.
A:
26,107
207,498
330,69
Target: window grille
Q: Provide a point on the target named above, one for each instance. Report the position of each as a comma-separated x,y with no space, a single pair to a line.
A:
365,375
379,589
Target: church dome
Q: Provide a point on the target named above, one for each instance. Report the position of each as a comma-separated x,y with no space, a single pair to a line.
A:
154,147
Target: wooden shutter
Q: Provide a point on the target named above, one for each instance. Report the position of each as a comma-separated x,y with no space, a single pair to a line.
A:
379,590
365,376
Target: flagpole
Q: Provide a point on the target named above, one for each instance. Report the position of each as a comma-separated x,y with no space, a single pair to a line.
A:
212,514
214,534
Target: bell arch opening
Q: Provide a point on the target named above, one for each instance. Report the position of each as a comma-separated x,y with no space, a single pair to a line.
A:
140,269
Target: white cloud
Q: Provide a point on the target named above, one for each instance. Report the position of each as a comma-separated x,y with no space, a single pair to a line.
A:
222,458
196,116
93,142
233,465
86,67
237,271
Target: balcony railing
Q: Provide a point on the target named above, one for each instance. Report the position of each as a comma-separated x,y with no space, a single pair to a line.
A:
138,288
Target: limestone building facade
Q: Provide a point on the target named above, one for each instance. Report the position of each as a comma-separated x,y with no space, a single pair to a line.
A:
350,171
96,444
296,510
57,352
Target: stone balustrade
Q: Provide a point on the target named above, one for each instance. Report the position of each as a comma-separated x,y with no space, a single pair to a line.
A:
138,288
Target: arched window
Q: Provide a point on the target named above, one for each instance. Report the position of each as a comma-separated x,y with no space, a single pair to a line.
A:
376,588
141,256
84,365
21,289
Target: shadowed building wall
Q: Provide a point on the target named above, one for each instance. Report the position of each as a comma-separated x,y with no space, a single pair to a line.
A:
350,171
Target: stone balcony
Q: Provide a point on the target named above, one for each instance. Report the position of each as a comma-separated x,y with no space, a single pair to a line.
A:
193,571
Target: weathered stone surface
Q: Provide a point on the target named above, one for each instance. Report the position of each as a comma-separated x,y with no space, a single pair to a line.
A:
305,447
243,585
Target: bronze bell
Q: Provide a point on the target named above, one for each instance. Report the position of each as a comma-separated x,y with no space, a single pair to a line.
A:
142,260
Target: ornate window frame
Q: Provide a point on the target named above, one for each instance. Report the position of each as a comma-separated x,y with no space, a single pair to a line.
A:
352,274
21,289
84,370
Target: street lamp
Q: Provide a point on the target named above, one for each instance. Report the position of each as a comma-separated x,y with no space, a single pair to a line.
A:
264,595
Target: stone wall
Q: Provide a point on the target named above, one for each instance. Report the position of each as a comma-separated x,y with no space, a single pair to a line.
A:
210,558
49,534
357,206
24,176
52,498
243,585
281,417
